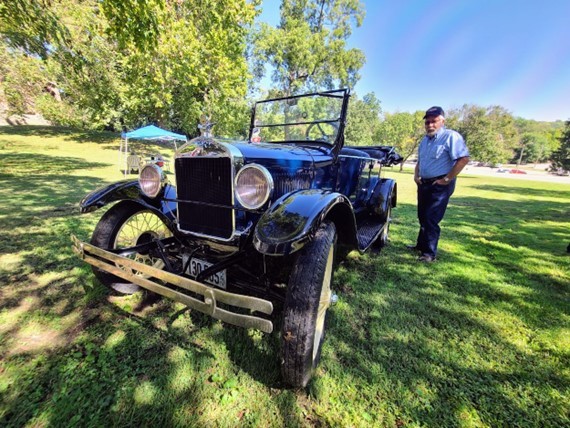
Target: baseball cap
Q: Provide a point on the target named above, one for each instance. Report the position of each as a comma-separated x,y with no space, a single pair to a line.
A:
434,111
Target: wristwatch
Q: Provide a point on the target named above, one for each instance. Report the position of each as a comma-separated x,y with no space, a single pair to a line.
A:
446,179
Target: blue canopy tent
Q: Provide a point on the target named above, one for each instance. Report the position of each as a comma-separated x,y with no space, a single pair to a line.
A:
149,132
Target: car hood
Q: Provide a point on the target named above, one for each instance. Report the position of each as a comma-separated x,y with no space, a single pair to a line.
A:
283,155
272,156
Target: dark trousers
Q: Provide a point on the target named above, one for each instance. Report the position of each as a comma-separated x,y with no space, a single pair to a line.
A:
432,203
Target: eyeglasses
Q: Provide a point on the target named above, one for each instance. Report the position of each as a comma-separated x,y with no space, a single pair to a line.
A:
430,121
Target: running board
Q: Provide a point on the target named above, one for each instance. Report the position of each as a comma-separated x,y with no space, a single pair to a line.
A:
368,231
125,268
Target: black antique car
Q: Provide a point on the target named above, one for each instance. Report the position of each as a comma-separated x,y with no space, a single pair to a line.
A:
253,229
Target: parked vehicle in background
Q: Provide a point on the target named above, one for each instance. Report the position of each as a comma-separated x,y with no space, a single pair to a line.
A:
517,171
254,229
559,171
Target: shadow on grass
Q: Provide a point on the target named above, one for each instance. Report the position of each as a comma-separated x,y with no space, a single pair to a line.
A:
23,165
467,340
423,341
72,134
79,360
433,346
107,140
68,356
539,226
112,367
37,197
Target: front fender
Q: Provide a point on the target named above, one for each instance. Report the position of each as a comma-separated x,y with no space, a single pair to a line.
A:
130,190
291,221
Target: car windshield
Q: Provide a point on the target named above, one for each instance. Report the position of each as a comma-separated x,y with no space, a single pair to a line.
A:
313,117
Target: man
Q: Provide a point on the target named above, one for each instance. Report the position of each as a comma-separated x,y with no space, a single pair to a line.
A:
442,155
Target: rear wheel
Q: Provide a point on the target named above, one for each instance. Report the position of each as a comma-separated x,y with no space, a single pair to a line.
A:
382,240
124,225
308,298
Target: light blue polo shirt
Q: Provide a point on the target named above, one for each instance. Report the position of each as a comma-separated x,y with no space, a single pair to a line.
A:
437,154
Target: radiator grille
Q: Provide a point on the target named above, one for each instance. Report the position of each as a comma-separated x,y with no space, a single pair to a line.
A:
206,180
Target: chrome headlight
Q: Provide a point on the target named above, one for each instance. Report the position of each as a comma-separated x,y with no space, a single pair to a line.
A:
253,185
151,180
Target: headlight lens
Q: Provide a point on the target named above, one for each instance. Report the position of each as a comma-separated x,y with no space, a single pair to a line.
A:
253,186
151,180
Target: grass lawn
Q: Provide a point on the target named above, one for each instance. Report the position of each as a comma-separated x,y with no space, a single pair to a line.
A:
480,338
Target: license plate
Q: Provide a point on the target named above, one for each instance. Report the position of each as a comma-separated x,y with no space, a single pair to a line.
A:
197,266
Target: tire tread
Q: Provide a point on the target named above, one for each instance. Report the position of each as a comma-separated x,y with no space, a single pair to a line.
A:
301,307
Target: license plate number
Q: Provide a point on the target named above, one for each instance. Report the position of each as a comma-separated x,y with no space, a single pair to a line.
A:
197,266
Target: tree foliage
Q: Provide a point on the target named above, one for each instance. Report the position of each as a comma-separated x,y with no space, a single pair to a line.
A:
537,139
21,81
363,121
132,63
33,25
489,132
533,147
402,130
133,22
307,50
561,157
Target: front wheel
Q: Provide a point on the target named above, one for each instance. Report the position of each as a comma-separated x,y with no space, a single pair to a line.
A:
308,298
124,225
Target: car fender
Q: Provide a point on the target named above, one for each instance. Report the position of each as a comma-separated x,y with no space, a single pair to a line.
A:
384,196
130,190
291,221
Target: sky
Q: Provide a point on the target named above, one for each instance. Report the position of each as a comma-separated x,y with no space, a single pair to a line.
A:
421,53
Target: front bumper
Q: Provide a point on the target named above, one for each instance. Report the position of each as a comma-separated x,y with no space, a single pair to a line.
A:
125,268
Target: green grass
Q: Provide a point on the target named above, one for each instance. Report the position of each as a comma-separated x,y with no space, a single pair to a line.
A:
480,338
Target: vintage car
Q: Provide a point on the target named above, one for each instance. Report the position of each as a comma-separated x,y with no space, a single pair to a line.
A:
253,229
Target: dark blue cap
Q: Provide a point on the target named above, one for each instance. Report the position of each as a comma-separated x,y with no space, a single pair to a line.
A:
434,111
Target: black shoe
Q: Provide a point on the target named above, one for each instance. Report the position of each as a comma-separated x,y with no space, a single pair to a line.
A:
412,247
426,258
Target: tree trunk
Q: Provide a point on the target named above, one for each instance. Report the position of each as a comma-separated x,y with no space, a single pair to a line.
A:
520,157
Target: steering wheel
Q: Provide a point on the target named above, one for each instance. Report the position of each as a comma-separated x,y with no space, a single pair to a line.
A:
324,132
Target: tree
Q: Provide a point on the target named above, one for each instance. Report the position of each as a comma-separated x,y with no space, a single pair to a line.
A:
561,157
307,50
198,67
534,147
128,64
402,130
489,132
363,121
537,139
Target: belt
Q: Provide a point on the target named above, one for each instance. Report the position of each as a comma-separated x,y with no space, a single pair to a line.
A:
432,179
